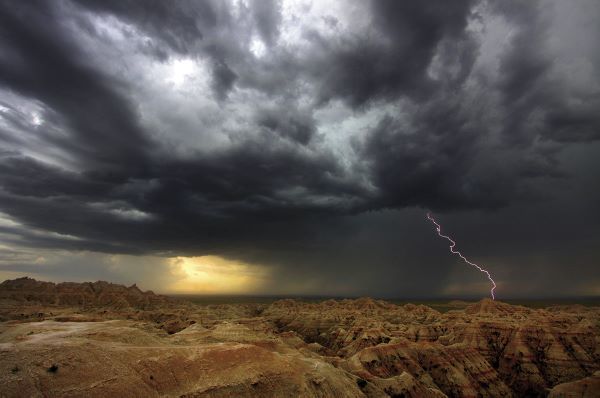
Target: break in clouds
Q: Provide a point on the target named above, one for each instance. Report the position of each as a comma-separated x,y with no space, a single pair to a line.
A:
305,138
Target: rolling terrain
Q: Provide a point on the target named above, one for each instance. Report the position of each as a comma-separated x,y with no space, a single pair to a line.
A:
101,339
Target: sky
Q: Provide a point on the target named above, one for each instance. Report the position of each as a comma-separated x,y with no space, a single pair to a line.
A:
294,147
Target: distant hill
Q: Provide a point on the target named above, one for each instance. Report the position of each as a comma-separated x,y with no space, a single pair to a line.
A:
86,294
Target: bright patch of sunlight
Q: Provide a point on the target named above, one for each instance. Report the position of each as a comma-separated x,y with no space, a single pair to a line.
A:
179,70
215,275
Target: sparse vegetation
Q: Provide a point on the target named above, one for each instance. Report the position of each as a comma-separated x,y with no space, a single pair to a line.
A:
53,368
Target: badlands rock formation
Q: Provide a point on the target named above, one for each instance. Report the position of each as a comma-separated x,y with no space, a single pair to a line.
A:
100,339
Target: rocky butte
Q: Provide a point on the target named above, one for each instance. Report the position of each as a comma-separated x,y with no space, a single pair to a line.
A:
102,340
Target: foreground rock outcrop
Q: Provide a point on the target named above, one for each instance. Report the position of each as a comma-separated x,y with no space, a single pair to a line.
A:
100,339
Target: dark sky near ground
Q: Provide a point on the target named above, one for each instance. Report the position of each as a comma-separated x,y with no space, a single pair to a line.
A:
293,147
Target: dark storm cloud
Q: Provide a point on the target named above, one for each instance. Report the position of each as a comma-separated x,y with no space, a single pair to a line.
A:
39,62
439,157
528,88
188,27
447,133
393,61
289,122
267,14
236,195
223,79
177,24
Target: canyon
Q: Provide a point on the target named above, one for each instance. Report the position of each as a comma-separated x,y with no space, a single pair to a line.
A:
101,339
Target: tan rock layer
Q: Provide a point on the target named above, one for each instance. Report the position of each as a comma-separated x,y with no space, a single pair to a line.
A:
102,339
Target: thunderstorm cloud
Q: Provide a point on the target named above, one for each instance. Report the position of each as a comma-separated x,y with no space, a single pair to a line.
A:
305,139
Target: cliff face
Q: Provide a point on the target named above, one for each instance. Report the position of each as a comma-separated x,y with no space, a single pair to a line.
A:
107,339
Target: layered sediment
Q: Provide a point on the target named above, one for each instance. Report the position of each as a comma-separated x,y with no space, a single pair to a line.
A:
101,339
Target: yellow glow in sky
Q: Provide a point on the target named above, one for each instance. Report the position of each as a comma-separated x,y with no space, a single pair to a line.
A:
214,274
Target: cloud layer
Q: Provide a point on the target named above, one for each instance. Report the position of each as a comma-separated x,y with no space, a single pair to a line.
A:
277,132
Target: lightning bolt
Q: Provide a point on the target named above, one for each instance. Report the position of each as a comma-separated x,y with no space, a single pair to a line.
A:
438,228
